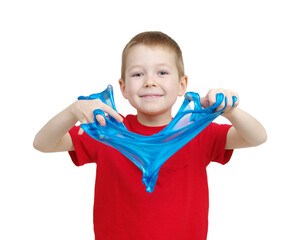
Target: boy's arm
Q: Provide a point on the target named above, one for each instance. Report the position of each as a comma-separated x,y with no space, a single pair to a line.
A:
54,136
245,132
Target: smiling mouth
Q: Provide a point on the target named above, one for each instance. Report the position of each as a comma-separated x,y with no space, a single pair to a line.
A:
151,96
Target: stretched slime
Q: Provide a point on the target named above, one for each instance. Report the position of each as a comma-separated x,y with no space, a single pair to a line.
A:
149,153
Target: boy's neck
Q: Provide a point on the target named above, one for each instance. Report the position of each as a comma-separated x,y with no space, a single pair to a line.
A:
154,120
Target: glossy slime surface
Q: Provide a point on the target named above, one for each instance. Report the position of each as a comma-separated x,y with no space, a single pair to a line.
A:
149,153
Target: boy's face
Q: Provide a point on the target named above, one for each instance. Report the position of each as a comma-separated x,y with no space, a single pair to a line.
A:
152,82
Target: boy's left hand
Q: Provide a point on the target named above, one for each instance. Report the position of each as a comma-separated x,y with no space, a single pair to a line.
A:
210,99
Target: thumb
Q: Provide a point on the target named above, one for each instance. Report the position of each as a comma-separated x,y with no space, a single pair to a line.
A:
204,102
81,131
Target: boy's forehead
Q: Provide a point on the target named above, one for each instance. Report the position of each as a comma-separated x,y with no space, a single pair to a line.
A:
141,53
142,48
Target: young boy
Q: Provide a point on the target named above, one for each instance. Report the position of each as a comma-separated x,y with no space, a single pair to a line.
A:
152,77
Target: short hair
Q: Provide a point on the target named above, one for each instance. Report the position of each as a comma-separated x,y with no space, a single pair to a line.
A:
151,39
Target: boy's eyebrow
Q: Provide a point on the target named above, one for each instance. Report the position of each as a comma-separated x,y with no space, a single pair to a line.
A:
165,64
134,66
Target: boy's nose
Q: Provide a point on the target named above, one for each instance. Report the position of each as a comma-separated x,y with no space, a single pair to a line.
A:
150,82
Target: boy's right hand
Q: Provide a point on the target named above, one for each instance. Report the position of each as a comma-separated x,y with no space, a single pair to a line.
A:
83,110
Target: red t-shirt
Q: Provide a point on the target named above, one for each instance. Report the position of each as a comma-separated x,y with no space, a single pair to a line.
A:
178,207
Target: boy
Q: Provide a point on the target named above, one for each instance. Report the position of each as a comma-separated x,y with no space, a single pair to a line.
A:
152,77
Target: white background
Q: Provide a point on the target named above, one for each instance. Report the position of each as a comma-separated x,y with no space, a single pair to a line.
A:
53,51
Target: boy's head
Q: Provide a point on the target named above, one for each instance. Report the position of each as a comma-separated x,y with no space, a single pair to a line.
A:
152,76
154,39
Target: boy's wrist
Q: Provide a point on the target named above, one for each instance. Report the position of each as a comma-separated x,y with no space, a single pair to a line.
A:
72,109
230,115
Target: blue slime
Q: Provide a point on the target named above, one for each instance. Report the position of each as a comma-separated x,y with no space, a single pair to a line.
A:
149,153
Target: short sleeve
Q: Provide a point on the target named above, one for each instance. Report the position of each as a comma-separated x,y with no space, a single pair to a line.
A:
86,148
213,140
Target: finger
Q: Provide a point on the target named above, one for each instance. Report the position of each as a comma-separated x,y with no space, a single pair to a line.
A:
204,102
238,99
229,101
81,131
109,110
101,120
212,96
222,105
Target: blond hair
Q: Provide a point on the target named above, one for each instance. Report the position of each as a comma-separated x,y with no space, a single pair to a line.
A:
151,39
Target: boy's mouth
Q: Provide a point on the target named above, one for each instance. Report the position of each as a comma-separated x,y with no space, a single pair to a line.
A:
151,96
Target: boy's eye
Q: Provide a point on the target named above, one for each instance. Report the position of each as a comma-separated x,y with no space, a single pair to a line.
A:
163,73
137,75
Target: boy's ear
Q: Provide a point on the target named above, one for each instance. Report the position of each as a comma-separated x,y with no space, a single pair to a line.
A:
122,86
183,85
